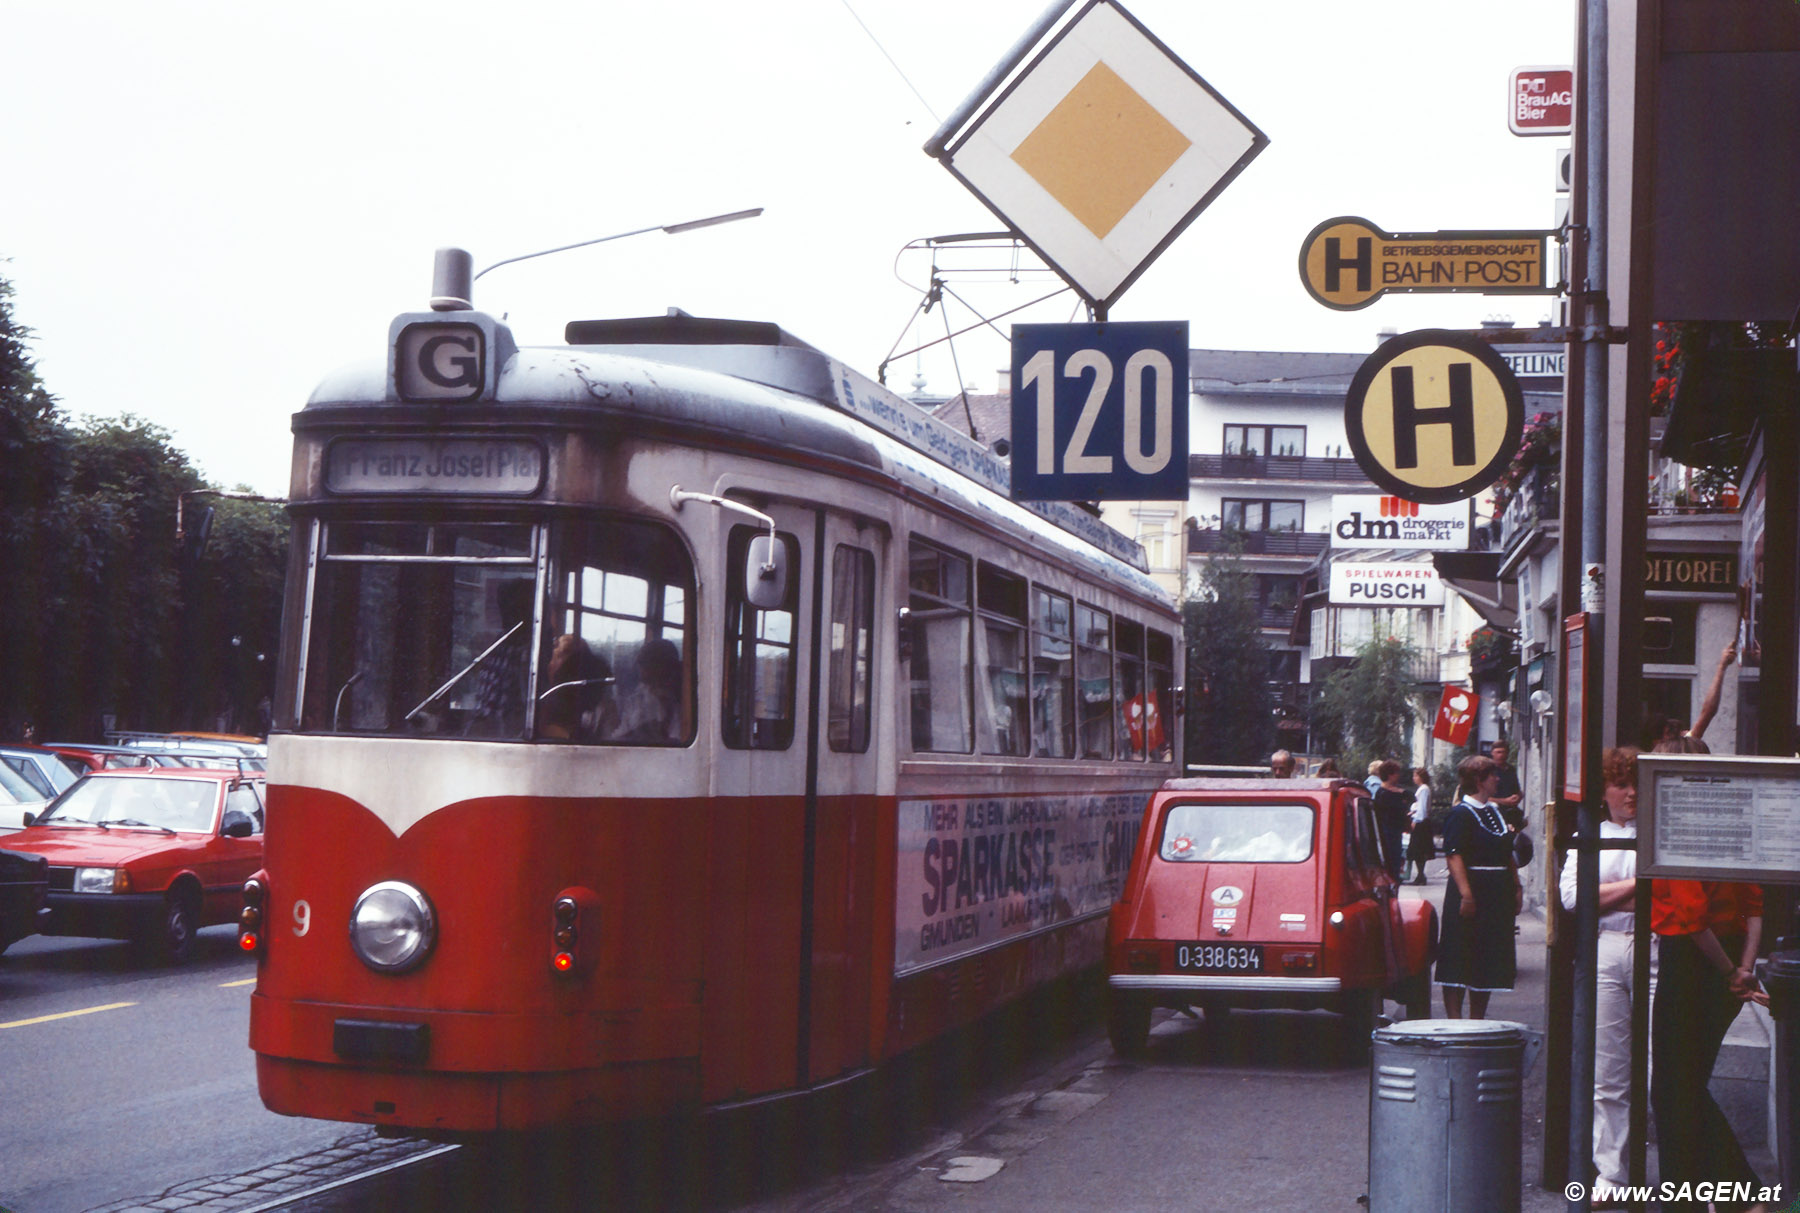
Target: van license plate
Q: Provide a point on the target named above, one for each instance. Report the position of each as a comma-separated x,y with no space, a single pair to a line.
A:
1218,957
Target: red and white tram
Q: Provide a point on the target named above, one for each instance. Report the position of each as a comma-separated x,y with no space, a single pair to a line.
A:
670,719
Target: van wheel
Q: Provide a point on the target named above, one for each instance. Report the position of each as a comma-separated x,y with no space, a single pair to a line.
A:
174,936
1128,1026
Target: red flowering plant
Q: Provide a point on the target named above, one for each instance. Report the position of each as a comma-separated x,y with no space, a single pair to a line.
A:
1540,446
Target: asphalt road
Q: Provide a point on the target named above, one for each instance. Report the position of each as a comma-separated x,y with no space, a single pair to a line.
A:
119,1077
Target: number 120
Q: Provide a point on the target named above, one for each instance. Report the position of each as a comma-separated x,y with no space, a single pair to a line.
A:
1039,372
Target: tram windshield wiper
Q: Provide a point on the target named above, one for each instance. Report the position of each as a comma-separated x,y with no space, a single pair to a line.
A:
465,671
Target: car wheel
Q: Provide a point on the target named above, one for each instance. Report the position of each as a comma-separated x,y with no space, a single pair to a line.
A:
1415,996
175,937
1360,1009
1128,1026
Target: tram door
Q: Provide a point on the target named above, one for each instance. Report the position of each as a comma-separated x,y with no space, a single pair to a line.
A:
791,838
851,556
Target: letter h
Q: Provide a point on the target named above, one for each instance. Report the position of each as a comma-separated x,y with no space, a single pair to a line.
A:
1459,415
1363,263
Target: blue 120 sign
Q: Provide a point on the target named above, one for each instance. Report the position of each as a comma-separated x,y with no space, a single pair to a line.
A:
1100,411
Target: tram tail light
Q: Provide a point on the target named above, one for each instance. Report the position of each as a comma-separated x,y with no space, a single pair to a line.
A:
574,931
250,921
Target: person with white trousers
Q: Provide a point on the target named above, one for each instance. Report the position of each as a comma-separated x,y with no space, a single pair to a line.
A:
1613,972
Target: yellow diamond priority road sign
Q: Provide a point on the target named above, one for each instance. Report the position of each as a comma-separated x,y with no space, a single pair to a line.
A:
1101,150
1348,263
1434,416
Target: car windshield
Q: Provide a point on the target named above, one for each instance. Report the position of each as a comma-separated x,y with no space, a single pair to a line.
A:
171,804
1237,833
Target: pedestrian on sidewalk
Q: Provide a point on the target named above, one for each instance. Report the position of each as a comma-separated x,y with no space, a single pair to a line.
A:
1614,993
1709,932
1392,805
1419,850
1482,896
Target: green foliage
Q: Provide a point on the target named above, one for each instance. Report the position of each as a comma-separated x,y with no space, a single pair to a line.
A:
1368,710
98,615
1228,721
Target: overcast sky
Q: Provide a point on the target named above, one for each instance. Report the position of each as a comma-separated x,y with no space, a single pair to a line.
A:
207,207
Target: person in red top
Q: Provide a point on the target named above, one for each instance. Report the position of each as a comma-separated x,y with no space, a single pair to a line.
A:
1710,932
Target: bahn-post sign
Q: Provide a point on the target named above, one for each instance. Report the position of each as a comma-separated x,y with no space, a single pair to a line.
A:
1434,415
1348,263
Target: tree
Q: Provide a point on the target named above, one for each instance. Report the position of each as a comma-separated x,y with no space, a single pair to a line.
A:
1368,710
98,615
1229,719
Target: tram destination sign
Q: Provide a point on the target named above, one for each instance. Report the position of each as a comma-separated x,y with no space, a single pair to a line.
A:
1719,817
509,466
1349,263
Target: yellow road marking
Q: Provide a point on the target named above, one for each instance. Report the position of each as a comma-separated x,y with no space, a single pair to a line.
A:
248,981
26,1023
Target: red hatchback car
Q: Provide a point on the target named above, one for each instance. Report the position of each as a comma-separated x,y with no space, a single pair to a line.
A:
1263,893
150,855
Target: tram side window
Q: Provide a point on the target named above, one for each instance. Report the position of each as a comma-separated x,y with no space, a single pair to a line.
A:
941,668
1159,728
759,653
1133,703
619,670
1001,599
1052,674
852,643
422,628
1093,680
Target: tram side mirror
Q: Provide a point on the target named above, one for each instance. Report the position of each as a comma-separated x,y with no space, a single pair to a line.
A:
766,573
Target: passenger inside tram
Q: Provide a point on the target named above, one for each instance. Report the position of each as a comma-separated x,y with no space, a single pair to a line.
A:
650,709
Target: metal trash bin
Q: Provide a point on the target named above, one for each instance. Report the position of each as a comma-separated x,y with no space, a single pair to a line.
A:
1444,1115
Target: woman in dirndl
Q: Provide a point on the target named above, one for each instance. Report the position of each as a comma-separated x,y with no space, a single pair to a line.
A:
1482,896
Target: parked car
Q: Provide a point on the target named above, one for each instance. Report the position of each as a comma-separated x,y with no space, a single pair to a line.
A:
43,768
151,855
23,881
1263,893
93,757
19,798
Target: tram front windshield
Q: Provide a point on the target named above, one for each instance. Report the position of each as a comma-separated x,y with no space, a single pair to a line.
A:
504,631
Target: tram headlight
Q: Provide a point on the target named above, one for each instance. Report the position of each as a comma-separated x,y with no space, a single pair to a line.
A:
392,927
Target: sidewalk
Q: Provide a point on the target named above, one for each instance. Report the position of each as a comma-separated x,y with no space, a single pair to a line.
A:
1741,1080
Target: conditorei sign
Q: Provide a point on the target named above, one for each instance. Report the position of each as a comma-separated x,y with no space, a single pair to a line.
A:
1369,520
1385,583
1693,572
1348,263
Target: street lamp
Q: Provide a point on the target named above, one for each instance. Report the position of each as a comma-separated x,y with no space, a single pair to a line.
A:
452,284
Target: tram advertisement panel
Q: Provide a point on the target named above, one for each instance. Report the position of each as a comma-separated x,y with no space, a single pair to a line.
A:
977,872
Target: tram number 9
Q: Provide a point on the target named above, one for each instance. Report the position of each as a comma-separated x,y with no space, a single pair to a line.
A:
302,917
1038,374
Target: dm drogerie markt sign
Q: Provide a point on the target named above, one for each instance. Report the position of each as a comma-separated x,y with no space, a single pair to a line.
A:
1348,263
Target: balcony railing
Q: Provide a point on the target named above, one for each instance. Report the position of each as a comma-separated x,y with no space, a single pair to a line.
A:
1275,467
1257,543
1537,502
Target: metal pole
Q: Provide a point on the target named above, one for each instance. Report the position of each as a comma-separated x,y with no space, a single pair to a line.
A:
1591,303
935,145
